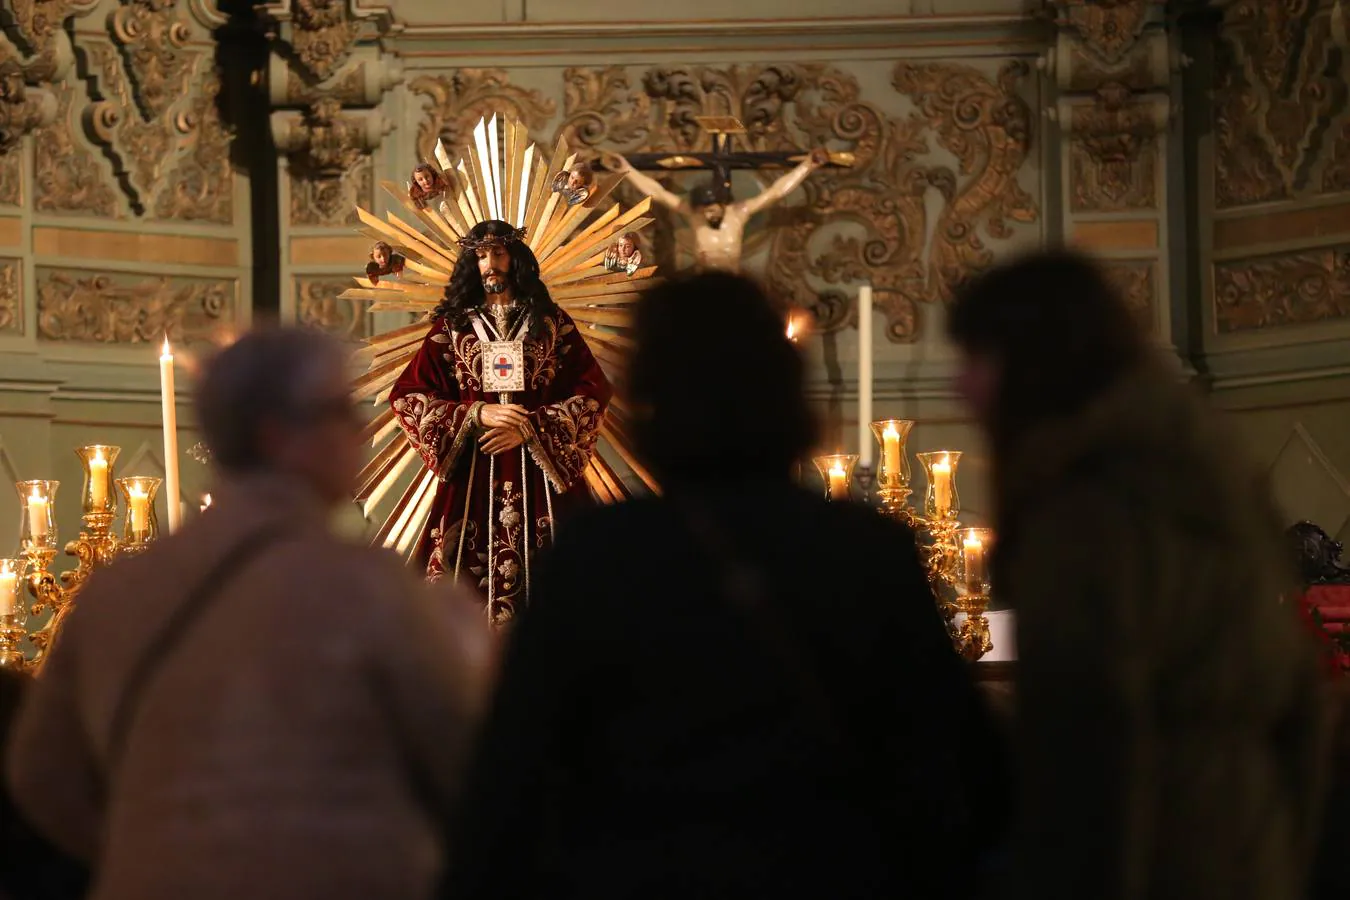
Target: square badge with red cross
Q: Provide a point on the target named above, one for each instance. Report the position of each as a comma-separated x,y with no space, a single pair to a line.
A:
504,366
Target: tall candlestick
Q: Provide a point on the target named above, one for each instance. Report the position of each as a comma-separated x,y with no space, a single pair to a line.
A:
98,481
138,502
9,595
37,516
170,405
942,487
838,482
865,374
890,451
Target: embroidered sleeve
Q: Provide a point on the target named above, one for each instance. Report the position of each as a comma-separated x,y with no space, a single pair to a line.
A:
565,431
429,408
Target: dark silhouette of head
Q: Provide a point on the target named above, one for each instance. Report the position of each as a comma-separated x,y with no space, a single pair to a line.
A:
710,200
1042,336
466,290
683,381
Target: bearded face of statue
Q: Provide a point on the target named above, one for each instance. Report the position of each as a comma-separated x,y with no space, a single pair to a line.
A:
494,267
713,214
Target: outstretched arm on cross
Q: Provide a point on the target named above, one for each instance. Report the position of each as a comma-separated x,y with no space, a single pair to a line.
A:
645,183
785,184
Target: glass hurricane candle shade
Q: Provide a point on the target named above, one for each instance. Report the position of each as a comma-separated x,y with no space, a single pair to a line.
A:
98,497
12,615
892,435
37,530
837,472
941,501
139,492
973,546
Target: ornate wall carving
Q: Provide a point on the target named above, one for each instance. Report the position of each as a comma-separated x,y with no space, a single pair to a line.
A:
460,98
1276,100
328,162
317,305
1299,288
870,221
67,177
11,296
1114,160
1137,282
130,309
11,179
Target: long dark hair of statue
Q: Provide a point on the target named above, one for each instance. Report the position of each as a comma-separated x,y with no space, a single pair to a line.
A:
465,291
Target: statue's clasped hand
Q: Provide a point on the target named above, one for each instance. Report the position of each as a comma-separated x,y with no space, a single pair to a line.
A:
506,426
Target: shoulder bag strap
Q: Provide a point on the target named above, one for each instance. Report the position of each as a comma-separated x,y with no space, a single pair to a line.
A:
178,623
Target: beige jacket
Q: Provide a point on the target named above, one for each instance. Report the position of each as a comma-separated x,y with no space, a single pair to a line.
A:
298,741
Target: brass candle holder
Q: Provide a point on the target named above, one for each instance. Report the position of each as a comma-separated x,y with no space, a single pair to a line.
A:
972,592
12,616
941,506
837,472
893,474
96,545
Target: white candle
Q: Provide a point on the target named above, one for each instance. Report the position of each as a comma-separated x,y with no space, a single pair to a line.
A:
973,551
865,375
9,595
170,406
890,451
98,480
942,486
139,503
838,482
37,516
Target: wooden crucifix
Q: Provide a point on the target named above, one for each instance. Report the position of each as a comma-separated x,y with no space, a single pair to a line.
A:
717,219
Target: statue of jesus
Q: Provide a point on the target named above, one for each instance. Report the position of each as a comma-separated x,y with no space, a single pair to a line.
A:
718,221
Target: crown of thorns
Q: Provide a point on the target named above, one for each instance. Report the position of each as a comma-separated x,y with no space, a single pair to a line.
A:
491,240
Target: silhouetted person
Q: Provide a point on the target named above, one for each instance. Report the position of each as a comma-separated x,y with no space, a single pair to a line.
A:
30,867
1169,711
254,706
736,690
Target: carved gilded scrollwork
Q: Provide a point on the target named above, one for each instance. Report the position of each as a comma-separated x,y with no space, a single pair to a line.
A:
22,108
200,187
329,167
322,36
867,222
36,23
154,44
1113,152
138,147
11,295
11,179
1336,176
1137,282
1108,27
987,126
1275,98
1299,288
318,305
460,98
67,177
111,309
332,200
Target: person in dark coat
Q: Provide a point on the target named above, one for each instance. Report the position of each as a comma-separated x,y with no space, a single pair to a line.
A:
736,689
30,867
1171,711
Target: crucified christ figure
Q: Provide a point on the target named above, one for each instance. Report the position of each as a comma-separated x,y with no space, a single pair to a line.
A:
718,221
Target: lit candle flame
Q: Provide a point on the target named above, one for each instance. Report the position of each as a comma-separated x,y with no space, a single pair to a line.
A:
166,352
838,469
792,329
37,494
206,502
891,431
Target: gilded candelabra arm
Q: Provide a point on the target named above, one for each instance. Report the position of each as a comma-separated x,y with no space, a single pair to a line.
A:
972,637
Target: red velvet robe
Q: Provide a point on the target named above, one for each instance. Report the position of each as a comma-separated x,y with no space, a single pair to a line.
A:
437,401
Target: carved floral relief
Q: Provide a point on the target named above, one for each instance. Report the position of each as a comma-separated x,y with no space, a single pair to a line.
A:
1299,288
1275,100
1137,282
130,309
317,305
67,176
11,296
1113,153
458,99
870,221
